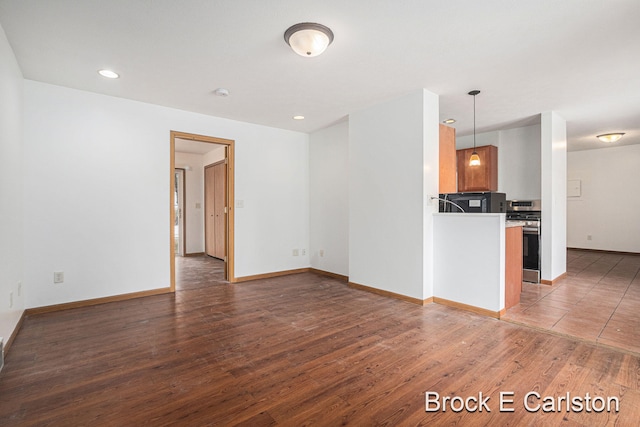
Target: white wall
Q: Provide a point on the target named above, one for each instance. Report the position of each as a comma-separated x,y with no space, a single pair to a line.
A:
608,206
519,159
470,259
485,138
553,259
387,194
193,200
329,199
11,191
102,216
430,186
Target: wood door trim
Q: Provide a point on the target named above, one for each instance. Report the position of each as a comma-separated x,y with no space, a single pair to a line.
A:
230,200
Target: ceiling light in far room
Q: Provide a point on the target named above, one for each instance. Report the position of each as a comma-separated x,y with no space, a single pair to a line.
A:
298,117
610,137
449,121
222,92
474,160
308,38
109,74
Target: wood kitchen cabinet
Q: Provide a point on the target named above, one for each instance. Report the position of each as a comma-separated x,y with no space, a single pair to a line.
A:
447,176
478,178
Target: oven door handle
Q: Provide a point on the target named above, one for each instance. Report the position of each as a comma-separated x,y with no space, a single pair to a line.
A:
531,230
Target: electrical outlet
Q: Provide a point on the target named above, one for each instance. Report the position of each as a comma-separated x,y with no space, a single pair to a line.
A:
303,252
588,236
321,253
295,252
58,276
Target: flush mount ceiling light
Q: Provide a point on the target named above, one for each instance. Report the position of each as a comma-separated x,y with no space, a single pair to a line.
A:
298,117
474,160
449,121
610,137
108,74
308,38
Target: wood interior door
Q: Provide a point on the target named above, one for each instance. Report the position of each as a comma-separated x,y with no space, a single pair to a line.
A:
216,210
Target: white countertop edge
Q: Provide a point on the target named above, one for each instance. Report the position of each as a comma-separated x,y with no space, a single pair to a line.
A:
509,223
469,214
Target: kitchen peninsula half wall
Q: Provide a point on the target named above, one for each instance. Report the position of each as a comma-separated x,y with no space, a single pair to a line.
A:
470,262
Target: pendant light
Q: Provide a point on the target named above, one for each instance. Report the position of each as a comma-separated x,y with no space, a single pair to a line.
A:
474,160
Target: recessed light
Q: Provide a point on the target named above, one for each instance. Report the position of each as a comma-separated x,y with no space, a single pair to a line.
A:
108,74
221,92
298,117
449,121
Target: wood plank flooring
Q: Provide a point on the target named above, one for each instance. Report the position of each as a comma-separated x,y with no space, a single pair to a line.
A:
292,351
598,301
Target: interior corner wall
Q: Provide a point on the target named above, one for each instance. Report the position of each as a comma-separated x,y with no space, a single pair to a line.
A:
485,138
193,200
11,191
553,131
329,199
386,196
430,187
519,171
97,193
605,175
519,161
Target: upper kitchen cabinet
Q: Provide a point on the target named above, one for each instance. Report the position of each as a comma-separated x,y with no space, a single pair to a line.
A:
447,176
478,178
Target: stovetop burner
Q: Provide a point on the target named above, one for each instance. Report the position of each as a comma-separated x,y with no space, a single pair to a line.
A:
524,210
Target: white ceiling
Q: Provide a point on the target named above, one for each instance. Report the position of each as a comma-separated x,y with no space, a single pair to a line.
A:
579,58
195,147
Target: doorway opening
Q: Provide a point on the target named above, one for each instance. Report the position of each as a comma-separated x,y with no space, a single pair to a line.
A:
225,222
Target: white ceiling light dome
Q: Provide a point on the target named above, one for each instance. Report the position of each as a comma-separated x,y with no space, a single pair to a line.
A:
610,137
308,39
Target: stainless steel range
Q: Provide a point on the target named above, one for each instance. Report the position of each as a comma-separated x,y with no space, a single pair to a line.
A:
528,211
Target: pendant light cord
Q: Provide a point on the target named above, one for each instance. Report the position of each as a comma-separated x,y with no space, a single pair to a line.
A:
474,123
474,160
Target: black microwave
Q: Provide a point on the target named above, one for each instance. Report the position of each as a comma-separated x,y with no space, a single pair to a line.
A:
481,202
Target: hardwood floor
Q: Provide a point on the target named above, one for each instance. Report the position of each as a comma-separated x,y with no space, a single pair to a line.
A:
291,351
598,301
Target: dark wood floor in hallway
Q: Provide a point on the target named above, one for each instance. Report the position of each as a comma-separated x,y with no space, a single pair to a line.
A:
297,350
